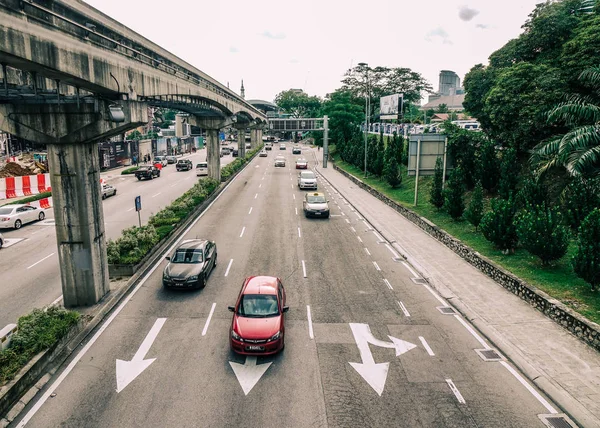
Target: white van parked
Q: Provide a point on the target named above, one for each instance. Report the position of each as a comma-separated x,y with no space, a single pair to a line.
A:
201,169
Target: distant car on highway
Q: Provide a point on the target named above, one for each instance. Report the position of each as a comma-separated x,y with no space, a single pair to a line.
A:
296,150
160,159
263,153
307,180
15,216
280,161
184,165
235,153
315,205
108,190
225,151
268,146
171,159
258,324
190,264
248,145
301,164
201,169
282,146
148,172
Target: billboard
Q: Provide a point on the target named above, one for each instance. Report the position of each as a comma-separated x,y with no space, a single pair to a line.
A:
390,106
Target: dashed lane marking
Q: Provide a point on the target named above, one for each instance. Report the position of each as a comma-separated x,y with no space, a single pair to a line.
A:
403,309
376,266
243,230
40,261
388,284
456,392
212,310
303,268
310,326
228,267
426,346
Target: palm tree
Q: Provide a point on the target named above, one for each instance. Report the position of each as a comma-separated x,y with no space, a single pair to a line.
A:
578,151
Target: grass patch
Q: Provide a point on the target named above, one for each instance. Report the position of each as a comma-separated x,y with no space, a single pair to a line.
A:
559,281
37,332
131,170
33,198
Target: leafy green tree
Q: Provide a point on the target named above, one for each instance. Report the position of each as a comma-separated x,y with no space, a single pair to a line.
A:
462,148
498,224
578,151
345,114
379,157
509,174
474,213
298,103
135,135
586,261
533,195
392,173
478,82
580,198
404,151
489,168
442,108
371,153
454,194
582,51
151,135
541,232
436,196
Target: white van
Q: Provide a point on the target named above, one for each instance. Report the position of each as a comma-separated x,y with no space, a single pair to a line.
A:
201,169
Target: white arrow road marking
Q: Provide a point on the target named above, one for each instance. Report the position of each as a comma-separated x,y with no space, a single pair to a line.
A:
249,373
375,374
127,371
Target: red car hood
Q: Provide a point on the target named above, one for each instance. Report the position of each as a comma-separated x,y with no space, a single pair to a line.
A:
256,328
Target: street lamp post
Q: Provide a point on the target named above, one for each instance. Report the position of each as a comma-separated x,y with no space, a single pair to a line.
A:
367,105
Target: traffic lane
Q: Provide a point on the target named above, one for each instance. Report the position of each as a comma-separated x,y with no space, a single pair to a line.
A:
270,395
444,348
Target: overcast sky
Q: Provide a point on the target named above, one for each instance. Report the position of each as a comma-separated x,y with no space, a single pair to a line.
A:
276,45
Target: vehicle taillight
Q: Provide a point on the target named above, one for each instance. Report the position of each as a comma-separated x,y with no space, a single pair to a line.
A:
4,218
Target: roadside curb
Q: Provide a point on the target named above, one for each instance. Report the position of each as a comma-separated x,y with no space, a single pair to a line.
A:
15,395
567,402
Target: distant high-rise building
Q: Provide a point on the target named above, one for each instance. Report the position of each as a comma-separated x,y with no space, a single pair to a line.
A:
242,90
449,83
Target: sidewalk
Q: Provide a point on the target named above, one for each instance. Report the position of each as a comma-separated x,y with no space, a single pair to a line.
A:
560,365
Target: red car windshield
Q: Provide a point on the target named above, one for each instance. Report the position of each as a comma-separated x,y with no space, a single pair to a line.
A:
258,306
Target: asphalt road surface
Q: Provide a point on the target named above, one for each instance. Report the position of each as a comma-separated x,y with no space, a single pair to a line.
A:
365,345
29,271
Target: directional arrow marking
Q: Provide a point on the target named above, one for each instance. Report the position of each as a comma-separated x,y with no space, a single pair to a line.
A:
127,371
248,374
375,374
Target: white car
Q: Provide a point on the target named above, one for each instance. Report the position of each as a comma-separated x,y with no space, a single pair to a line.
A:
279,161
201,169
307,180
108,190
15,216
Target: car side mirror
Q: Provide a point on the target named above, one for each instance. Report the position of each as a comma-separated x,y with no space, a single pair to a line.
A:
168,258
231,308
286,308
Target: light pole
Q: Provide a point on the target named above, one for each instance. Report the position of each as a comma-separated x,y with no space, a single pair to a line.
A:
367,105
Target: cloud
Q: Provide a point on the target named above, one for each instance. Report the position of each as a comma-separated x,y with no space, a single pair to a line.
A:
466,14
269,35
233,49
483,26
438,34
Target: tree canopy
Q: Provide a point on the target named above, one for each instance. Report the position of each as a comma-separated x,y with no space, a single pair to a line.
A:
298,103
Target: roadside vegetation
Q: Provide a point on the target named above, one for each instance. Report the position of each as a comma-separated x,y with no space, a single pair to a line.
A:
37,332
131,170
32,198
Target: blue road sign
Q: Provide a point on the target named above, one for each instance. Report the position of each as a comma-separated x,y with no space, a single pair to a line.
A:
138,203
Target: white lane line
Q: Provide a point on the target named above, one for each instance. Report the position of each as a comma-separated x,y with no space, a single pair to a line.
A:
407,266
472,331
296,210
367,225
292,185
256,196
311,334
388,284
250,212
426,346
442,301
352,229
130,209
456,392
342,212
40,261
243,230
303,269
260,185
294,196
403,309
299,234
379,237
376,266
347,221
353,210
263,177
228,267
395,254
359,238
36,407
188,178
367,251
526,384
174,184
55,302
154,196
212,310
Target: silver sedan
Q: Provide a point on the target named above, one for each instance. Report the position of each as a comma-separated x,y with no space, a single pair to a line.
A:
15,216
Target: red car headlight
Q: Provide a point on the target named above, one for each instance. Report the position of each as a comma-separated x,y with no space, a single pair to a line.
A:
275,336
235,336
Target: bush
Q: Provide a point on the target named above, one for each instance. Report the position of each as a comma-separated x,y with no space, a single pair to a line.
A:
509,174
586,261
134,243
489,169
130,170
498,225
533,195
436,196
392,173
37,332
33,198
580,198
474,213
542,233
454,202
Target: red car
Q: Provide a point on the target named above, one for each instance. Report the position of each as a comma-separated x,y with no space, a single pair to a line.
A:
301,164
258,326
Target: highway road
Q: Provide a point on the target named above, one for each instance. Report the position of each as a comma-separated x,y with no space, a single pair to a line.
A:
366,346
29,271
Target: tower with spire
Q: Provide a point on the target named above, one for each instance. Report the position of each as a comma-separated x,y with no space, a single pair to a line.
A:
242,90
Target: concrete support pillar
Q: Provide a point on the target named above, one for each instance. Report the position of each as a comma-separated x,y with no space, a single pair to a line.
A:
75,180
212,154
241,140
259,135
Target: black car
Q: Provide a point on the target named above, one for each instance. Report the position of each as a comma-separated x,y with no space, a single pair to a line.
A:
235,153
190,264
183,165
147,171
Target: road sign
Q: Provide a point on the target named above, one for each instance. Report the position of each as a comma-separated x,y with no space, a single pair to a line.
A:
138,203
